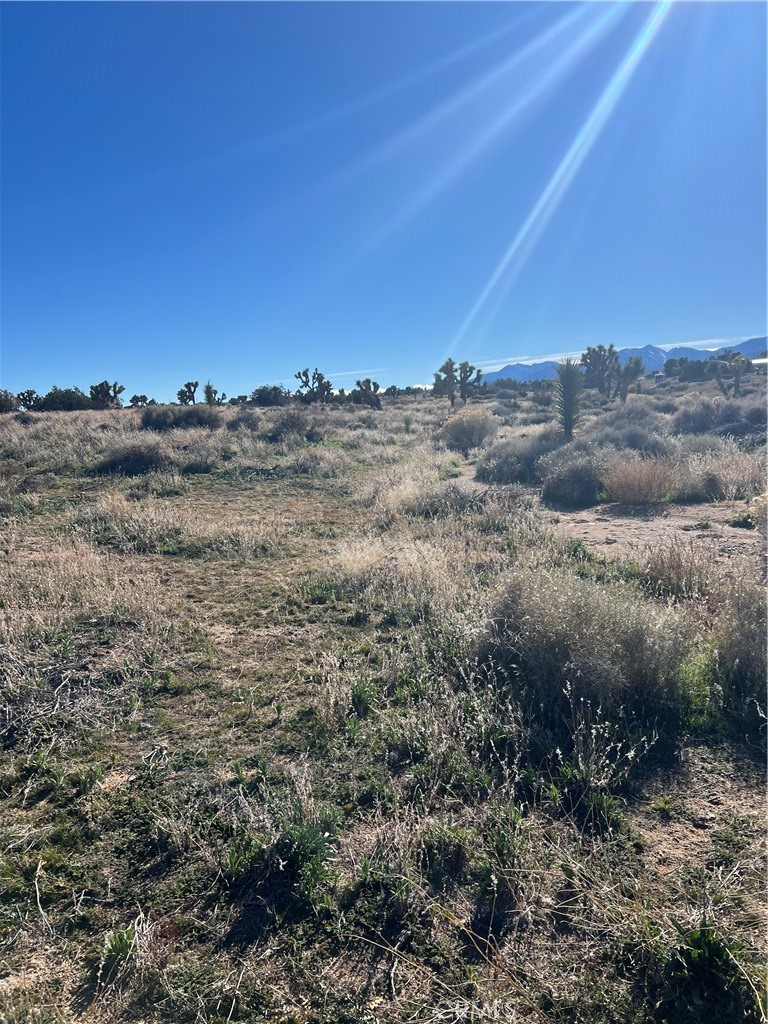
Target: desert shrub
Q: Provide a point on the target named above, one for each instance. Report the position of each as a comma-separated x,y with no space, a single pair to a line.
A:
172,417
757,513
665,405
754,410
732,416
514,460
642,481
270,395
296,423
634,437
678,568
542,398
245,419
724,472
437,502
633,425
468,429
738,633
573,475
695,417
535,419
134,459
614,646
634,411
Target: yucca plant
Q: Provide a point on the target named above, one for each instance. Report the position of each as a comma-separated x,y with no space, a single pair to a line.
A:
568,388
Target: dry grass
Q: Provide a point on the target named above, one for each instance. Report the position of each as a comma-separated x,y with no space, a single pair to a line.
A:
47,589
468,429
642,481
726,472
679,569
613,645
153,524
401,769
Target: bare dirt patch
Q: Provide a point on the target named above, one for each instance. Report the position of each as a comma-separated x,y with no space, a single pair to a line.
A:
625,530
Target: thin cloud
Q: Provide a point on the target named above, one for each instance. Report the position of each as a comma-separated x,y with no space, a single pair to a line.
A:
359,373
527,360
343,373
708,343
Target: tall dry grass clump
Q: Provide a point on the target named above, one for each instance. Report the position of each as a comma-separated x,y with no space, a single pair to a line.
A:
738,637
398,489
49,589
63,442
678,569
725,472
468,429
642,481
612,645
394,572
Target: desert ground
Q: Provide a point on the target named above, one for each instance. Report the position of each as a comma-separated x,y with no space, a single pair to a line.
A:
336,714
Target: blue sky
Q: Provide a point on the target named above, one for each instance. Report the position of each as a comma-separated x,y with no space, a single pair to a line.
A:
236,191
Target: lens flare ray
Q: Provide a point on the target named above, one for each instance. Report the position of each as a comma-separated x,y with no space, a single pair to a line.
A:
558,185
466,96
555,71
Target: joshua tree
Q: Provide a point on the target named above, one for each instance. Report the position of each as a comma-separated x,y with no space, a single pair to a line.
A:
316,388
466,380
186,394
733,364
631,371
602,367
209,393
739,365
568,387
716,368
106,395
29,399
367,393
138,401
445,381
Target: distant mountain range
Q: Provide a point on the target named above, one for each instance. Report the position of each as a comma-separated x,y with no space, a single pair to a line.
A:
652,356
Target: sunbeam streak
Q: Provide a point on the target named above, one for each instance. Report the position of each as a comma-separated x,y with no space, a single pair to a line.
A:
560,181
543,82
295,131
464,97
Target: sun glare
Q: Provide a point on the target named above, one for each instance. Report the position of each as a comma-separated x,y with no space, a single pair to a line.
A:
505,273
514,98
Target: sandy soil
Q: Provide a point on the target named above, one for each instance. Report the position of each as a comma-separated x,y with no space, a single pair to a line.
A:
615,530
